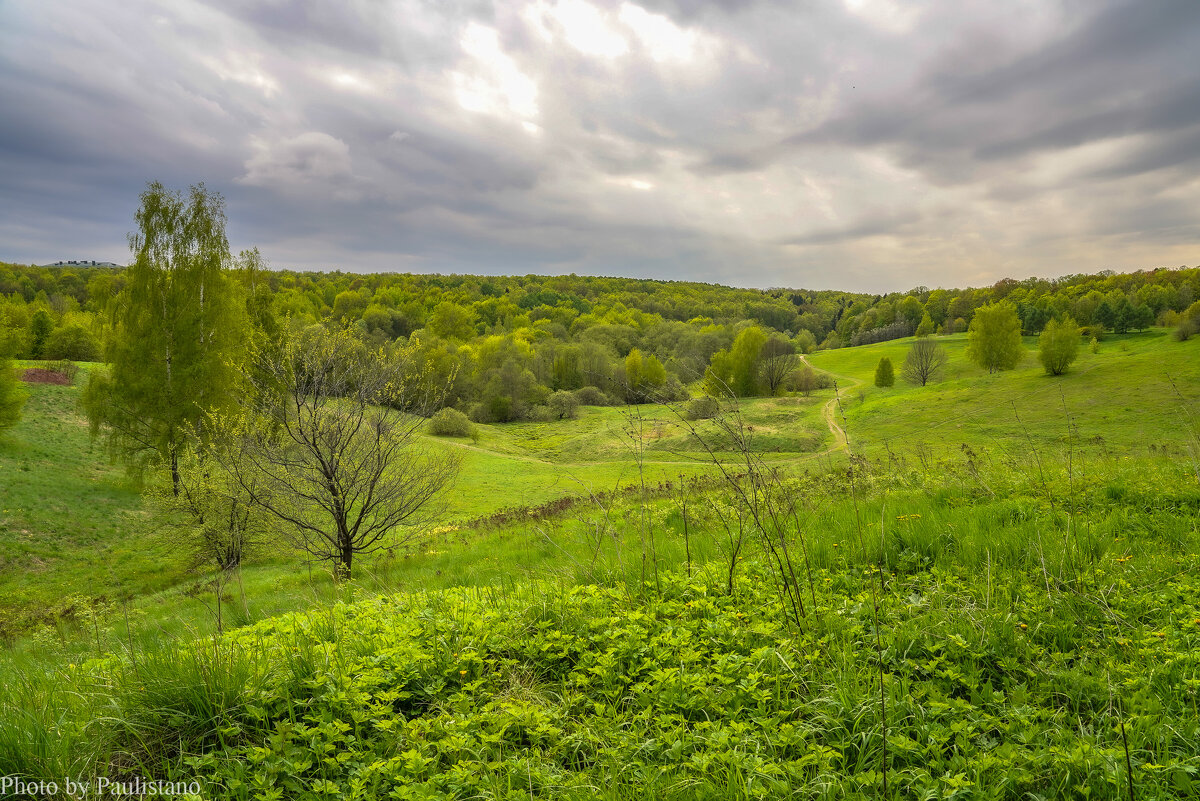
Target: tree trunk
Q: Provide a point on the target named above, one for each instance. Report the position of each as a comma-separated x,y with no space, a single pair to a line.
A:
345,558
175,471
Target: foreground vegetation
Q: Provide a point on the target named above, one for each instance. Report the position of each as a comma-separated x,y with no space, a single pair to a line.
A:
1034,616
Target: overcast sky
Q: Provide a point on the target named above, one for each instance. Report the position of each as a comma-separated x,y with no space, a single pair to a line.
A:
856,144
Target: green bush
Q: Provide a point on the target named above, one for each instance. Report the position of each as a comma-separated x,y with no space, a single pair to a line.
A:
593,396
704,407
1058,346
885,374
563,406
72,342
450,422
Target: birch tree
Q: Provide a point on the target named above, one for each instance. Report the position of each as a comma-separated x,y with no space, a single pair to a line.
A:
177,326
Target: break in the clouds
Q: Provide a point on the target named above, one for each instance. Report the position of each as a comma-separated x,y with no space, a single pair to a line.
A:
859,144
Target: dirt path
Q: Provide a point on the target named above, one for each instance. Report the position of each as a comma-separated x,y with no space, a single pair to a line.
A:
832,409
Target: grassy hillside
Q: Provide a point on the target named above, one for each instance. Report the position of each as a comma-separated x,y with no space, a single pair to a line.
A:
1030,604
73,534
1120,399
1021,626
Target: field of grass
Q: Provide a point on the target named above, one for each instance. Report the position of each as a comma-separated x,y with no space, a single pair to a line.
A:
1030,604
1023,620
70,523
1137,395
73,534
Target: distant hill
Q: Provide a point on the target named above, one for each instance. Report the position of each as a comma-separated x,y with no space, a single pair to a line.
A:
81,263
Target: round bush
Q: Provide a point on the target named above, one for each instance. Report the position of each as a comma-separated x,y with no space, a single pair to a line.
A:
72,342
592,396
450,423
704,407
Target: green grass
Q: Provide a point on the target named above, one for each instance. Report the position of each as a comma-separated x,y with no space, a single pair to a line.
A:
1036,594
73,535
1019,632
70,527
1120,399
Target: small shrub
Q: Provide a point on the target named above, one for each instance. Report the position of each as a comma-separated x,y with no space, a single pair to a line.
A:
806,379
563,406
1058,346
704,407
64,367
1185,330
885,374
592,396
450,423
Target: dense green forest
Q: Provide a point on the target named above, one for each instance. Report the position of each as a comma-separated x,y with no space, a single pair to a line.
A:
503,345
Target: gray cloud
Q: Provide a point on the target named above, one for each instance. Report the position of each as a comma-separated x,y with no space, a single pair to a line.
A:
863,144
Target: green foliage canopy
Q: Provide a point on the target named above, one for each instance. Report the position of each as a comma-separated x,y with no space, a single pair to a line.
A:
885,374
994,337
1058,345
178,331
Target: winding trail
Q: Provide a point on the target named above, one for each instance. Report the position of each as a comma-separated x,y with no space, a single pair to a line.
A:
830,410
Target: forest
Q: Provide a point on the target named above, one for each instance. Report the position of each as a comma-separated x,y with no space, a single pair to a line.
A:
503,345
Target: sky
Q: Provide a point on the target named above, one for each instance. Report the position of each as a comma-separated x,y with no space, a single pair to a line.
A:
869,145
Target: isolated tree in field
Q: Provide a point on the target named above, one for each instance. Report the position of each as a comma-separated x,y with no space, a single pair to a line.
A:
925,362
994,338
805,380
885,374
178,331
1058,345
777,360
12,395
330,446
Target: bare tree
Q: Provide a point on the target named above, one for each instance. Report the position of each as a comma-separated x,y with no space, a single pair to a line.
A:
329,446
777,360
925,362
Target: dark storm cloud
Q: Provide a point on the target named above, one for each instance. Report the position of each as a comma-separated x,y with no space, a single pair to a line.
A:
1130,69
876,142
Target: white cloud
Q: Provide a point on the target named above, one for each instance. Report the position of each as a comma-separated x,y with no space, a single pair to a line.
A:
494,84
890,15
309,157
583,26
662,38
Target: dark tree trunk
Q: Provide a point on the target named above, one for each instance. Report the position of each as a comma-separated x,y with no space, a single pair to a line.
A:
175,471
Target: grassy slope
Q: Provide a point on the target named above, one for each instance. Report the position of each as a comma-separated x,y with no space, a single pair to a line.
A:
1122,395
68,519
72,533
1010,645
1012,621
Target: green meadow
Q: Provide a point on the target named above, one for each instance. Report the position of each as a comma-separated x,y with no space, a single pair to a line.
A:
991,593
